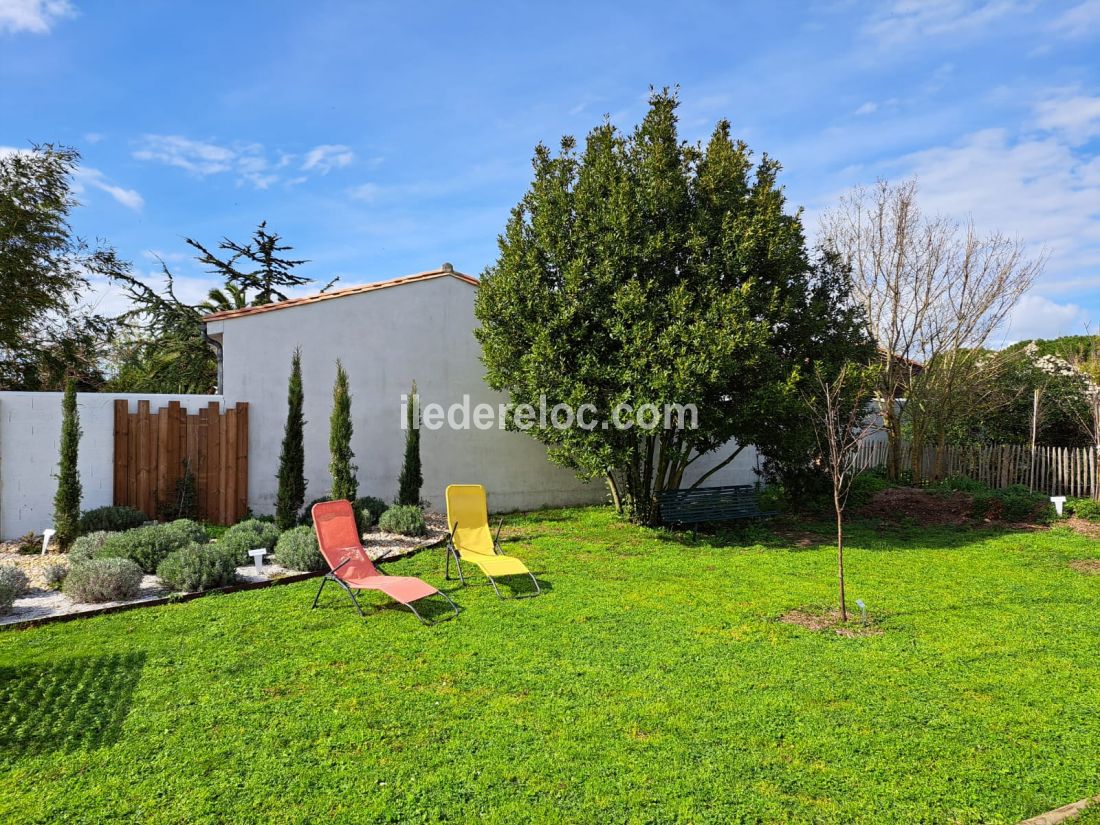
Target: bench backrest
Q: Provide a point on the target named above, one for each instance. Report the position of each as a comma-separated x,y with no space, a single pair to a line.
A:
708,504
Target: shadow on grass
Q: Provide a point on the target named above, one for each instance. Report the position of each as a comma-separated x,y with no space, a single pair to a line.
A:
794,534
73,704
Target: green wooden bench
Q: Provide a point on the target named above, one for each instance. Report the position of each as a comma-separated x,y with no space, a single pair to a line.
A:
737,501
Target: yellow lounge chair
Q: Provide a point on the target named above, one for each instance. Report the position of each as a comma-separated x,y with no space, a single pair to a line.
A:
471,541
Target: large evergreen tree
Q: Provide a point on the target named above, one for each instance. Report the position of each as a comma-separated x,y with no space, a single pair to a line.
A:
66,502
291,494
412,477
341,468
648,271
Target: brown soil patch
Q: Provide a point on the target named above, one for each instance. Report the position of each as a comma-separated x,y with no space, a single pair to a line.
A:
826,620
1090,567
1085,528
913,504
801,538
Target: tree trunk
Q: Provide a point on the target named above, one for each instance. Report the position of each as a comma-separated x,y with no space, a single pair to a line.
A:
613,487
840,556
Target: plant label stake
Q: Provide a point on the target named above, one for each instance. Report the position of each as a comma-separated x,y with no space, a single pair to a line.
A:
258,558
862,611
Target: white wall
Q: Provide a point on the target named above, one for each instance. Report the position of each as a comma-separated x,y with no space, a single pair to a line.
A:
30,434
385,338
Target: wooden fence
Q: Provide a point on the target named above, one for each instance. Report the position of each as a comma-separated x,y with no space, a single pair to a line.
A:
153,448
1056,471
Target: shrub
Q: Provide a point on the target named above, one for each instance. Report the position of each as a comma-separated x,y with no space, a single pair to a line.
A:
1084,508
53,574
13,577
112,519
248,535
292,458
88,546
297,550
375,505
341,468
29,544
1013,504
412,477
191,530
865,486
148,546
103,580
405,519
66,501
7,597
198,567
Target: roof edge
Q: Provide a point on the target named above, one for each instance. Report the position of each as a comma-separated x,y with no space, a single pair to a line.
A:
431,274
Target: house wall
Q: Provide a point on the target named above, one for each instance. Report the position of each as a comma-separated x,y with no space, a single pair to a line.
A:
385,338
30,435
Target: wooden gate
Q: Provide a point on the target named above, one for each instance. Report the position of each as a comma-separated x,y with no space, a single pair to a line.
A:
153,448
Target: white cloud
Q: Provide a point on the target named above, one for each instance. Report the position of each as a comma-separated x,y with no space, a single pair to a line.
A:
1082,20
1041,189
903,21
327,157
86,176
1038,317
246,162
35,16
868,108
365,192
1077,115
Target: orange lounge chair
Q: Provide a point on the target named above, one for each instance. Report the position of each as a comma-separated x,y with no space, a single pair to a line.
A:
472,542
351,567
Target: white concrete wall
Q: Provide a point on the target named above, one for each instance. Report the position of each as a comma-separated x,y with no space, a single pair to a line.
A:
385,338
30,434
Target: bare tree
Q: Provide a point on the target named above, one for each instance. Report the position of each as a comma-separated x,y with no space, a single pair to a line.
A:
838,407
934,291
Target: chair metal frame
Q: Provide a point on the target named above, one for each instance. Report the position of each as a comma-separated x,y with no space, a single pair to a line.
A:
452,550
331,576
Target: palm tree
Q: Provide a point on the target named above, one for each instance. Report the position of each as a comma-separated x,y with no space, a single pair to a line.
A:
220,299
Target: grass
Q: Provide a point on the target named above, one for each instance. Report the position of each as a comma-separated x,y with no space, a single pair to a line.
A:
651,683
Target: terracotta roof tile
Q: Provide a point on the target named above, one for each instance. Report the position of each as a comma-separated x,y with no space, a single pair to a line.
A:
225,315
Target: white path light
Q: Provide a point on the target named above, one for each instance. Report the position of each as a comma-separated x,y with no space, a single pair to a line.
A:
258,558
1058,502
46,536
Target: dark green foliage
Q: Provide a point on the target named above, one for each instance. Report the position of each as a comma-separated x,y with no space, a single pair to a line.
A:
29,544
1085,508
103,580
89,545
374,505
404,519
1014,504
252,534
344,483
297,549
148,546
166,351
45,337
111,518
66,501
184,504
645,270
198,567
292,459
412,477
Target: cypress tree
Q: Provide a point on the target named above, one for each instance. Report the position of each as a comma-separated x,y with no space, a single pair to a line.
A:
340,467
292,460
412,479
66,502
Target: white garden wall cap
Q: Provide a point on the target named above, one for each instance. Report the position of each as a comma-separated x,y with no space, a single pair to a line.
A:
446,271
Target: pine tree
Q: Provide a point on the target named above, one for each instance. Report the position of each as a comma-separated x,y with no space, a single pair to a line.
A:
66,502
292,460
344,484
412,478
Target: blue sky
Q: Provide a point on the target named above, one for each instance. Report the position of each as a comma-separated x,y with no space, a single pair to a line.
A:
384,139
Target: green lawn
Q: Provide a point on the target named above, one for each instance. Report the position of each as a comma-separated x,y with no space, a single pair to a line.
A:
651,683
